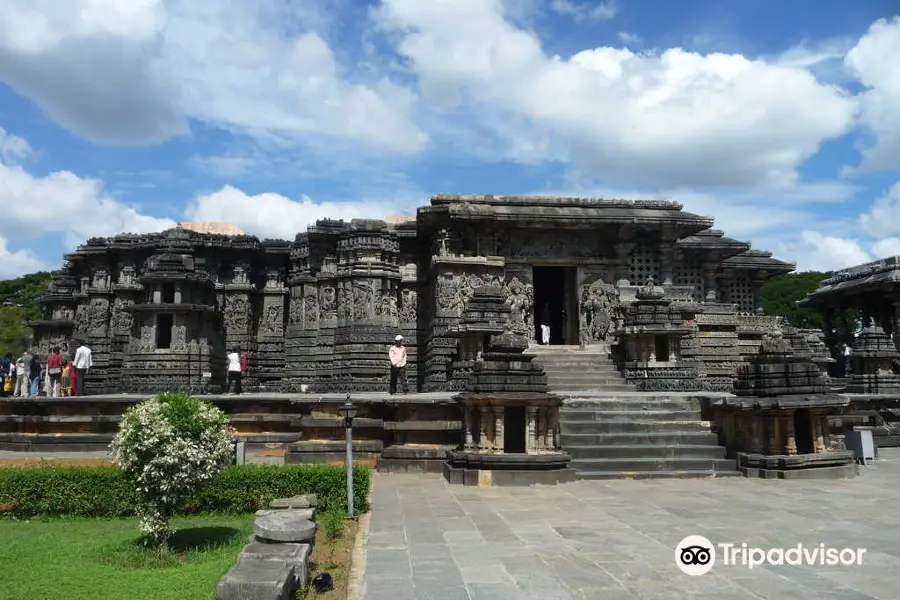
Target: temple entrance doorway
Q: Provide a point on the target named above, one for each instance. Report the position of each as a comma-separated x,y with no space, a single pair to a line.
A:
514,427
556,297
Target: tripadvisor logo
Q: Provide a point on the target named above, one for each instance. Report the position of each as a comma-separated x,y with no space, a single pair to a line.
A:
696,555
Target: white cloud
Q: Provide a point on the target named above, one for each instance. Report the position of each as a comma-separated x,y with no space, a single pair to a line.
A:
673,119
62,203
136,72
883,217
585,11
630,38
873,62
12,147
275,216
815,251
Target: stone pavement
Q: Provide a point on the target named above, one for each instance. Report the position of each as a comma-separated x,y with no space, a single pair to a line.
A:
616,540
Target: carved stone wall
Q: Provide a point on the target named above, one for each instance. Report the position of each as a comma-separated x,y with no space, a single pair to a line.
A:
599,310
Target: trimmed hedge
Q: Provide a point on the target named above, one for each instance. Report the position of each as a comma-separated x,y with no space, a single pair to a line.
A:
103,492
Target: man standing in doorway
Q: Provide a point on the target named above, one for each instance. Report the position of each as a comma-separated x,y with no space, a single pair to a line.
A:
545,324
397,355
235,371
83,362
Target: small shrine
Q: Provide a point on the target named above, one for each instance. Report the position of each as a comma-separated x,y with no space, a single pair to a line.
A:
510,422
653,330
776,424
874,358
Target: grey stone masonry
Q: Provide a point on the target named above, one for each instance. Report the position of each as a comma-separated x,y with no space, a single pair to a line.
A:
616,540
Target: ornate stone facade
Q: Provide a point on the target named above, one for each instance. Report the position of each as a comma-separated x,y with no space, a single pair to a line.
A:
321,310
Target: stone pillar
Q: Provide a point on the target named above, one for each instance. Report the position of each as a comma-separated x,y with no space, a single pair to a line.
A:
548,428
483,441
774,442
530,412
820,426
468,443
757,443
790,438
710,287
498,428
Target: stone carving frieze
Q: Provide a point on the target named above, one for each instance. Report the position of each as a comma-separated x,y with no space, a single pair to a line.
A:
327,300
344,302
179,338
121,319
311,305
295,310
145,342
363,298
447,294
408,306
526,244
237,313
97,316
271,321
386,304
599,311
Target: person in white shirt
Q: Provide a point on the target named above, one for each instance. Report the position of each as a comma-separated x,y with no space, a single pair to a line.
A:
82,363
234,371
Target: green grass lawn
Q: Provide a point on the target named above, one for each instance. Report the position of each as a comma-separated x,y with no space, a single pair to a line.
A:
100,559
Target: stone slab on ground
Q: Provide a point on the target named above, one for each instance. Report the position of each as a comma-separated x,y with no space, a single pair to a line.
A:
301,501
253,579
616,540
295,556
285,526
305,513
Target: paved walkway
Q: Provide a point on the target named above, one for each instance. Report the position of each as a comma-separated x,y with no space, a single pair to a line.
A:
616,540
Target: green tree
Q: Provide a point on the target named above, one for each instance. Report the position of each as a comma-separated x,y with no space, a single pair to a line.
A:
24,293
14,335
782,292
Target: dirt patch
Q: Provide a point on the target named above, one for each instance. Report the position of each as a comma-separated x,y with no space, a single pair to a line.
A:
22,463
332,557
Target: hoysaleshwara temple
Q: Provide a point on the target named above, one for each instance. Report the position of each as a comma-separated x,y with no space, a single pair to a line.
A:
660,360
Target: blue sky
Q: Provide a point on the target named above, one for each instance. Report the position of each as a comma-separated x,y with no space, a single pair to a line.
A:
780,119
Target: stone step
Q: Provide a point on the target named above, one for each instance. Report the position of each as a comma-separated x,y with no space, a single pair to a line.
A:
639,465
692,474
625,403
575,369
615,416
637,426
579,453
564,363
673,438
589,387
585,380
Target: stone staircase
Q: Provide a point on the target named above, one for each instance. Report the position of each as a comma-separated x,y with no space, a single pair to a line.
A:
640,436
573,369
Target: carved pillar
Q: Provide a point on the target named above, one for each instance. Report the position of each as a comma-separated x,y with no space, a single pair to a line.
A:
790,438
820,426
756,434
548,427
468,443
484,442
531,412
774,442
498,428
710,286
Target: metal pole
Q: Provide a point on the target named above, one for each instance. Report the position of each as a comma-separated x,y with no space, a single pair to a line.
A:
349,423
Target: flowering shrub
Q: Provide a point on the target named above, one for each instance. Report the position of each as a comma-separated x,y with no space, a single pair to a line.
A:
168,447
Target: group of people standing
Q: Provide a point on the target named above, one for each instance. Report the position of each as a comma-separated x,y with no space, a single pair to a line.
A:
23,376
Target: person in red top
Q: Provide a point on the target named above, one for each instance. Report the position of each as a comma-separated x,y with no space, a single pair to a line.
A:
54,372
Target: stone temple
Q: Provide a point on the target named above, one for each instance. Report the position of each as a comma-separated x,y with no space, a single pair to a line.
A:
652,312
160,311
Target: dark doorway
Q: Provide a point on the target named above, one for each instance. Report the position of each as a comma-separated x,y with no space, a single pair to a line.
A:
514,430
803,431
555,299
168,293
163,332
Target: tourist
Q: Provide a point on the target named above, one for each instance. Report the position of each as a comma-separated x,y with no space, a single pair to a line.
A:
34,376
68,377
7,375
235,371
82,363
54,373
545,325
23,375
397,355
848,365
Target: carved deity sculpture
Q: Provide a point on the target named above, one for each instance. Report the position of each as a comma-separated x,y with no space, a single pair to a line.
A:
271,323
344,302
97,316
408,302
235,313
447,294
599,305
520,303
362,300
311,306
387,304
121,319
327,300
295,314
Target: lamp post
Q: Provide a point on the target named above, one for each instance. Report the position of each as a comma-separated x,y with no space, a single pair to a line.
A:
348,409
